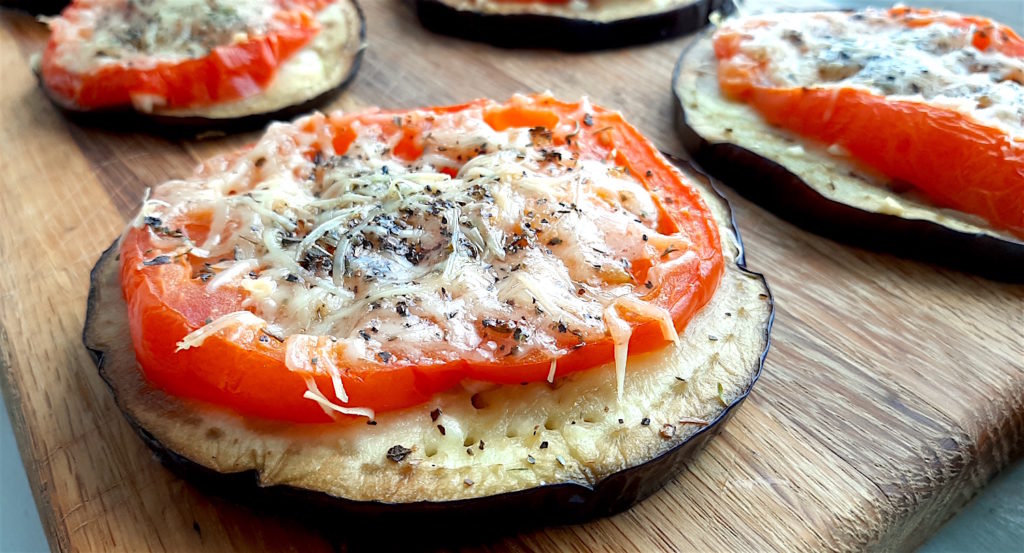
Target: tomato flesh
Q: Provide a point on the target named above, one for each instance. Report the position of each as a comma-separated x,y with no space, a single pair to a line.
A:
955,160
246,372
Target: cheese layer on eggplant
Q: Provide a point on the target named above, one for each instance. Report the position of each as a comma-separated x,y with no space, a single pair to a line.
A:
934,63
141,33
828,170
526,248
321,65
496,439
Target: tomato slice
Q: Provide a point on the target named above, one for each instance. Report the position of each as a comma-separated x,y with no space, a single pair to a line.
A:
125,73
952,157
246,370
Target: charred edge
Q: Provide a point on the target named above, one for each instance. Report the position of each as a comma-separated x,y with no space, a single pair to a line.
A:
793,200
127,119
532,508
35,7
566,33
92,304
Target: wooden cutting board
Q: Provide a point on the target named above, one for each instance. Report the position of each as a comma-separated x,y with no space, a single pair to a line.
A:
894,389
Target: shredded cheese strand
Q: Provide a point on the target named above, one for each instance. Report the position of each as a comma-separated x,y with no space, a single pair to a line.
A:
237,320
313,393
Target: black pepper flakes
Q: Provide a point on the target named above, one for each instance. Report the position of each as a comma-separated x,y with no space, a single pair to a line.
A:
499,325
398,453
434,414
645,422
384,356
544,445
158,260
440,428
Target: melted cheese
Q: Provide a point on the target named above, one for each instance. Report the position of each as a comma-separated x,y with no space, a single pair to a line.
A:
313,393
235,322
934,63
143,32
370,256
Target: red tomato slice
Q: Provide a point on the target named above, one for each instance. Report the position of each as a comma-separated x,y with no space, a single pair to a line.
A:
228,72
954,159
246,371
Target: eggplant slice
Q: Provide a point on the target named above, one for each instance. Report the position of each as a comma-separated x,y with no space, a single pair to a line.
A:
542,453
802,182
309,79
607,24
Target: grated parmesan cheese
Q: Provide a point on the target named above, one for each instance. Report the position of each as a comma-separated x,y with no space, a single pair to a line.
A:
236,321
313,393
934,63
359,257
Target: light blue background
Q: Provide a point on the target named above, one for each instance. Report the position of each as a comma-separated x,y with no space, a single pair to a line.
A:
992,522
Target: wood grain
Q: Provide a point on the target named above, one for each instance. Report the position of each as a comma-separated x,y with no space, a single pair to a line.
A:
894,389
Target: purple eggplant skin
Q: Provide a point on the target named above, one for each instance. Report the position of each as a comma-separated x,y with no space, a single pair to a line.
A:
126,119
566,33
775,188
484,518
36,7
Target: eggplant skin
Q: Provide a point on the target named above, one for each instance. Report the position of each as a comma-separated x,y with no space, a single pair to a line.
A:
124,118
36,7
542,505
525,30
788,195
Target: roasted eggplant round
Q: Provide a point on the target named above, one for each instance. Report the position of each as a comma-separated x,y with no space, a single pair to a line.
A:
544,453
813,187
309,78
600,24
